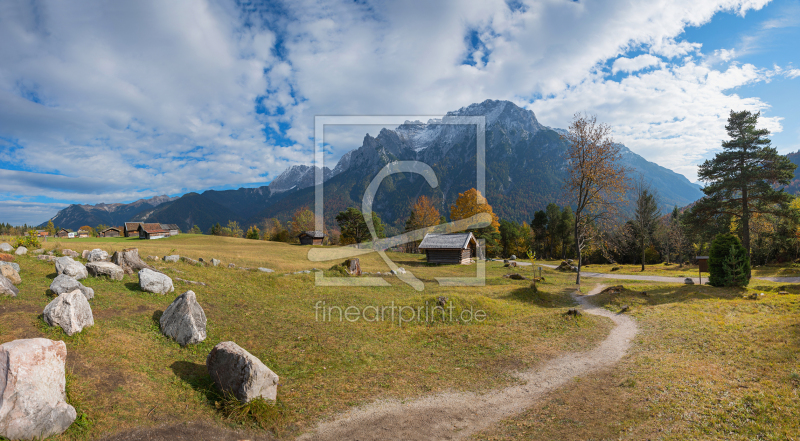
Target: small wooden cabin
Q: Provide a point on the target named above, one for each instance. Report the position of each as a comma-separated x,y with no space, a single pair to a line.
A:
63,232
152,231
454,249
131,229
82,233
111,232
42,233
171,228
311,237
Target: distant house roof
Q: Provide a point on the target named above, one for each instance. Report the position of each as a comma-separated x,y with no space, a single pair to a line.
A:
314,234
64,230
153,228
119,229
132,225
446,241
169,227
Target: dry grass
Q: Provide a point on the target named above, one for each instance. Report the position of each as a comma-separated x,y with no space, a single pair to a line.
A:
125,374
707,364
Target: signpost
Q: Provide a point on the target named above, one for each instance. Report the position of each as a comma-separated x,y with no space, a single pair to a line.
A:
702,265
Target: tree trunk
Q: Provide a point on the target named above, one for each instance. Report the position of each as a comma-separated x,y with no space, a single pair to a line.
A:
745,217
578,254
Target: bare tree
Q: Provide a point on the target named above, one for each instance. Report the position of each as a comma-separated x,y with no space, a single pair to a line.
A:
597,180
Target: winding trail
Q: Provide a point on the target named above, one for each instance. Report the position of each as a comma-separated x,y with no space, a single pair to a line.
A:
457,415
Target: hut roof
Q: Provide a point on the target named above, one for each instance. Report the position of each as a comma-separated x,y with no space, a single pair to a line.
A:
153,228
446,241
169,227
132,225
119,229
314,234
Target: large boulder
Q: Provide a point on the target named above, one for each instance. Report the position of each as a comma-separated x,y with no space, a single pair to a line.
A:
70,311
65,265
172,258
129,260
69,252
6,247
11,274
32,389
184,320
21,251
237,371
152,281
7,288
107,269
11,264
6,257
97,255
64,284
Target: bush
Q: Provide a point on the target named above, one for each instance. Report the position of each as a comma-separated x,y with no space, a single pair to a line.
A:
31,241
728,263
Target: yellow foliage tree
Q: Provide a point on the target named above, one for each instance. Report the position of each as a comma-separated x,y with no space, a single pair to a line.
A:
423,215
470,203
302,220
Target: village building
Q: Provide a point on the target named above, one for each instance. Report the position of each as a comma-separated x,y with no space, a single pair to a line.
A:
111,232
131,229
81,233
63,232
152,231
42,233
458,248
311,237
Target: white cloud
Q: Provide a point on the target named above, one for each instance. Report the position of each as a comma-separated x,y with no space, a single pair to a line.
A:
635,64
142,98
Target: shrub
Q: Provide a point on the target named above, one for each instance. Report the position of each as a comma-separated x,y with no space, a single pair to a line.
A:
31,241
728,263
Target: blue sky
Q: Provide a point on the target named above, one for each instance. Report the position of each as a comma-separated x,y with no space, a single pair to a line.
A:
112,102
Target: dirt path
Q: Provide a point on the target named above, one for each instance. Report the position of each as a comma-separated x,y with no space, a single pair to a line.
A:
457,415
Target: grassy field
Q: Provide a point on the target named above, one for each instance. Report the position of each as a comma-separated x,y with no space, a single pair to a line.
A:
122,373
708,363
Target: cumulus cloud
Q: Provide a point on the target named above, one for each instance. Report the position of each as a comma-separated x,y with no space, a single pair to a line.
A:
132,100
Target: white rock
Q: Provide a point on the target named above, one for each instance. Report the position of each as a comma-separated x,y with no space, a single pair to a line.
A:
97,255
65,265
237,371
69,252
215,262
152,281
64,284
172,258
184,320
85,254
70,311
266,270
7,288
11,274
21,251
6,247
32,395
108,269
14,265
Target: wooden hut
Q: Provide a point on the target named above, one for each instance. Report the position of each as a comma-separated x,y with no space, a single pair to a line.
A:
63,232
459,248
82,233
311,237
152,231
171,228
131,229
111,232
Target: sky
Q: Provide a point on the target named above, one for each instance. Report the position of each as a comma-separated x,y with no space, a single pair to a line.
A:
117,101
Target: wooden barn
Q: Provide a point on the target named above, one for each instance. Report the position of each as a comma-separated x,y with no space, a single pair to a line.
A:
152,231
171,228
63,232
111,232
81,233
458,248
311,237
130,229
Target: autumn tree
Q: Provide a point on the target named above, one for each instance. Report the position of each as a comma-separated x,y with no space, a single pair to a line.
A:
470,203
597,181
50,228
302,220
354,228
743,179
423,215
253,233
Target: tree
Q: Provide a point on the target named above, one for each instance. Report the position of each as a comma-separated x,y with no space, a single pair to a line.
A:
302,220
195,230
470,203
423,215
645,216
215,230
596,181
741,180
539,229
354,228
253,233
728,264
233,229
50,228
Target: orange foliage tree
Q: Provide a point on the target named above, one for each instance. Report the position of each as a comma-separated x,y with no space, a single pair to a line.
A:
423,215
302,220
470,203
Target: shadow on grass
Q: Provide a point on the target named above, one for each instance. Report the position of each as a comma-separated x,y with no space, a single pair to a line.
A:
543,298
157,318
133,286
196,376
668,294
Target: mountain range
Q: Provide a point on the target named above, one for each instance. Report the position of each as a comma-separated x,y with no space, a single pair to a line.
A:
525,170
